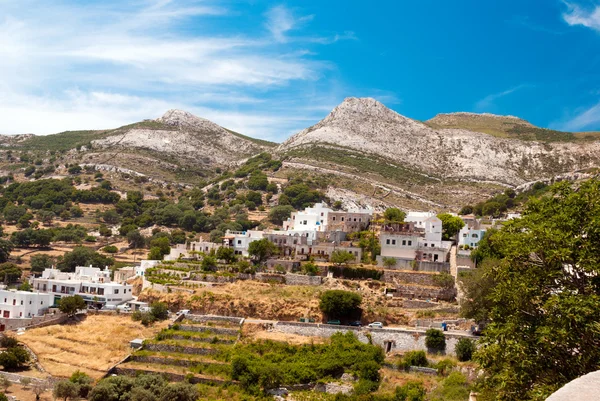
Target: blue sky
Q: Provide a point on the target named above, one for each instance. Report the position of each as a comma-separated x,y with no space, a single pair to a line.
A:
268,69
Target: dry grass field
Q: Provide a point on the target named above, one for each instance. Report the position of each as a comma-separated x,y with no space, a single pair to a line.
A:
92,345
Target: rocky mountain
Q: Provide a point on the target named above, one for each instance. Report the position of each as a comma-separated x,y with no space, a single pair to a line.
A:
447,161
178,147
368,127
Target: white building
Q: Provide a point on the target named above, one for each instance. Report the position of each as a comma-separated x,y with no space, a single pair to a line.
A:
24,304
189,249
471,233
91,283
240,240
419,241
427,221
308,221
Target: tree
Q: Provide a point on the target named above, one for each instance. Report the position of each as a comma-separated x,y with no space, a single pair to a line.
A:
9,273
310,269
14,358
65,389
41,262
38,389
258,181
435,341
451,225
340,257
544,311
155,254
226,254
6,247
340,304
83,256
279,214
464,349
70,305
136,239
83,381
262,250
159,311
477,287
161,243
411,391
394,215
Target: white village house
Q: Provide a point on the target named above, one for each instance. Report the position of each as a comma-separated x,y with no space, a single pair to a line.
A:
91,283
24,304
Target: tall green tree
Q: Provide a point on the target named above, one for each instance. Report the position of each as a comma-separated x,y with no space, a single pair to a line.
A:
544,315
262,250
451,225
394,215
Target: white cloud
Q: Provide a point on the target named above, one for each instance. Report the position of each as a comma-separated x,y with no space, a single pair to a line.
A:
107,64
487,102
280,21
586,119
578,15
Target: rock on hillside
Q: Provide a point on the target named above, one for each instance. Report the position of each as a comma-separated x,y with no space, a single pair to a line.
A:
183,135
365,125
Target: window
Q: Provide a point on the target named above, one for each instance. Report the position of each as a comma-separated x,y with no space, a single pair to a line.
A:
387,241
393,242
321,214
342,219
474,236
333,218
21,302
116,291
100,291
426,244
239,242
403,242
14,301
464,235
42,303
29,302
409,243
304,222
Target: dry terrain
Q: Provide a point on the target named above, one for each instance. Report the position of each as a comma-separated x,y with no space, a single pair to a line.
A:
93,345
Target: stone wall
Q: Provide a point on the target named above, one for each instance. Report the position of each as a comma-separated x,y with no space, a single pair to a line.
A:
415,291
405,277
301,279
172,377
169,361
420,266
214,318
179,349
418,304
36,321
213,330
390,339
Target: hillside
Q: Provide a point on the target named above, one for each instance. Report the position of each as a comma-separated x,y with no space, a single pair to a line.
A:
177,147
365,138
505,127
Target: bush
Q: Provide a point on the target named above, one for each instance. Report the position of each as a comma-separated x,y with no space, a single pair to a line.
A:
464,349
8,342
435,341
445,366
411,391
110,249
159,310
413,358
14,358
83,381
340,304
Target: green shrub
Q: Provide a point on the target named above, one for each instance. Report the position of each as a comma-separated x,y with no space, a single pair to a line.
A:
411,391
110,249
435,341
340,304
464,349
444,366
413,358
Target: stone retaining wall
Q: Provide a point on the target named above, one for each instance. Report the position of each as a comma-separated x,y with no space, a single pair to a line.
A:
206,329
36,321
390,339
202,340
415,291
172,377
418,304
214,318
301,279
179,349
168,361
405,277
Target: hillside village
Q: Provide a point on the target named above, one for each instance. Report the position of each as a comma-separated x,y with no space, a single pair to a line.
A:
185,281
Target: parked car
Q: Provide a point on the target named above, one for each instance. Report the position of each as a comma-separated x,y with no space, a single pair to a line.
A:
183,312
337,322
109,307
123,308
356,324
145,309
376,325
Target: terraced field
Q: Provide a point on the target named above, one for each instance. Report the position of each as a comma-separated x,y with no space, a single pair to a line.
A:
196,349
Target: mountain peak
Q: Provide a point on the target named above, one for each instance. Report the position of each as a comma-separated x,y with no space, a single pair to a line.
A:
185,119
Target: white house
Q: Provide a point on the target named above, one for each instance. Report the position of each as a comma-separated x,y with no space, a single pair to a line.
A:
407,242
91,283
471,233
24,304
240,240
308,221
188,249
